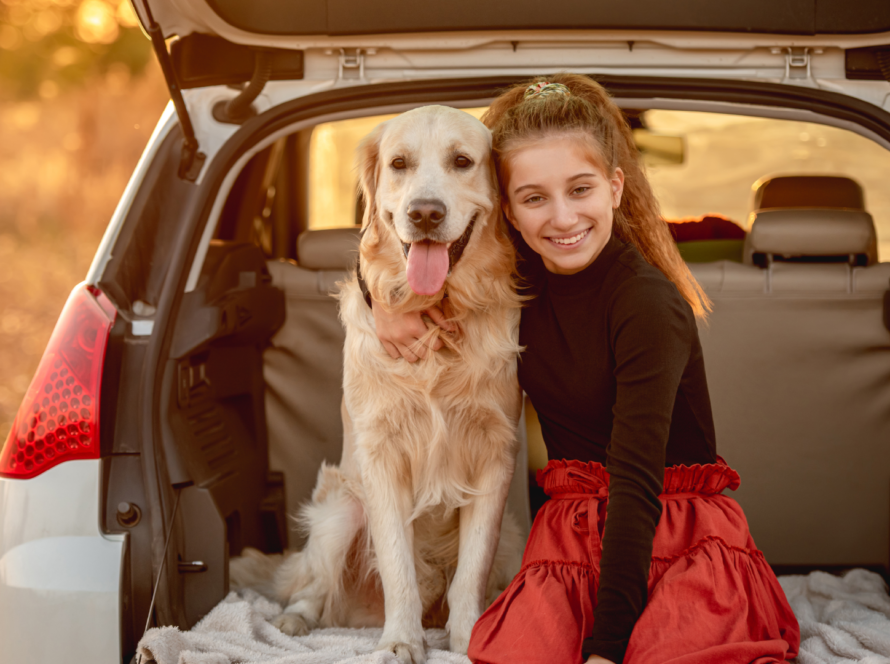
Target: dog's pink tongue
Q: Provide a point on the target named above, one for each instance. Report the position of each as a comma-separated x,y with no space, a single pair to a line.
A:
427,267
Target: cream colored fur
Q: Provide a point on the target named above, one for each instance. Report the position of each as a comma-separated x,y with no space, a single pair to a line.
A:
406,531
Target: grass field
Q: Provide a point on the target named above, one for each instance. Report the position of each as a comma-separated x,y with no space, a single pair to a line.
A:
63,166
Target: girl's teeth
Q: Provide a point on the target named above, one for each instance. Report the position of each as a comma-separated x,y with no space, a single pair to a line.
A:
570,240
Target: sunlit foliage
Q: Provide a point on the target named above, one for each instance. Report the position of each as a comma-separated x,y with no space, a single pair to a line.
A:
47,46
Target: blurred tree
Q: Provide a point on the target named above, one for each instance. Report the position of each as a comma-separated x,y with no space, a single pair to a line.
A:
47,46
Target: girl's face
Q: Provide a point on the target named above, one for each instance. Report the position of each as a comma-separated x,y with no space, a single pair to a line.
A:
561,202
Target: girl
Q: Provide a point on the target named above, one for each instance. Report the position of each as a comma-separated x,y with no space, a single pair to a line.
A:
637,557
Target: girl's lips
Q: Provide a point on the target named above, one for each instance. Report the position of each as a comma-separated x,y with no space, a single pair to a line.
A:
571,240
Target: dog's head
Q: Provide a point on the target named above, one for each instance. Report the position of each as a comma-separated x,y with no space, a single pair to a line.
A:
428,183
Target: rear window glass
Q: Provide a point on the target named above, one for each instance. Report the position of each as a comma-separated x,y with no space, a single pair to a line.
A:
725,155
719,160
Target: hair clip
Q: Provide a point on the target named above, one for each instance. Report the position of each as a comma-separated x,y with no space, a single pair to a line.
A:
545,89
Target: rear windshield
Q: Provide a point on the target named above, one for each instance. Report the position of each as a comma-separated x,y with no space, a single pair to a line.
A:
711,164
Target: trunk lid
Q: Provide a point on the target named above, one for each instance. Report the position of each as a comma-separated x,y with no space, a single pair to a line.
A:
271,22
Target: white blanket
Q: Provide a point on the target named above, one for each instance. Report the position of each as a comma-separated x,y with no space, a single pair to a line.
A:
842,620
237,631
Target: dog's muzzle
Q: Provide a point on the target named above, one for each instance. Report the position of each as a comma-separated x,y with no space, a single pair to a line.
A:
456,250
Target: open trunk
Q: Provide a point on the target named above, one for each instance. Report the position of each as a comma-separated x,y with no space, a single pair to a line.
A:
230,359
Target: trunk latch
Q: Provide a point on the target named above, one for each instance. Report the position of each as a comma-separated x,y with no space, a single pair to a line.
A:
797,61
351,63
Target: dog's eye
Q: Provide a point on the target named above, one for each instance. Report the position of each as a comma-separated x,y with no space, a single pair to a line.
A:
463,162
398,163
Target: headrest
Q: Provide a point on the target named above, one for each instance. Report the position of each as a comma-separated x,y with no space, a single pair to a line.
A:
804,233
808,191
328,248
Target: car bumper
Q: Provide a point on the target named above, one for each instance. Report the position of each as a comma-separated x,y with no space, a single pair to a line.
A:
59,575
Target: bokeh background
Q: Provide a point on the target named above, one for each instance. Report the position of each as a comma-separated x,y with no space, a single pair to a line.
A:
80,93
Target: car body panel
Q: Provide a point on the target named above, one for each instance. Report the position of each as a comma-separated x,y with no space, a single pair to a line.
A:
58,570
106,247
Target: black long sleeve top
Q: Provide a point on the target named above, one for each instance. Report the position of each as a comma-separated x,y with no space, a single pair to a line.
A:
613,366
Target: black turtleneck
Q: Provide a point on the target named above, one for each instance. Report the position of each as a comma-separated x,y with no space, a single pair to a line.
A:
614,368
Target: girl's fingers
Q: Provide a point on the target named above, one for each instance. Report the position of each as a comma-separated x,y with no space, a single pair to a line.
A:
440,318
391,350
407,353
418,348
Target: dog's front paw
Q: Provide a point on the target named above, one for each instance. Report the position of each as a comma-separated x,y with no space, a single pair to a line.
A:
406,653
460,625
292,624
459,643
459,633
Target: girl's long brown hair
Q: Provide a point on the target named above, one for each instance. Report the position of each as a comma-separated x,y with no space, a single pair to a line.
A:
590,112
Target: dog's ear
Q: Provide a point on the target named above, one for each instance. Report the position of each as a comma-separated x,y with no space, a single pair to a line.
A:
367,164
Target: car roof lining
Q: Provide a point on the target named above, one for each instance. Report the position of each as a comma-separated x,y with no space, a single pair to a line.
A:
731,108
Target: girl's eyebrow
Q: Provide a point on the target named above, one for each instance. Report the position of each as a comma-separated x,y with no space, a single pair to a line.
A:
571,179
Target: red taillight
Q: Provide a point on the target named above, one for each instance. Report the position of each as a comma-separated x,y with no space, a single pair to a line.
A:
59,417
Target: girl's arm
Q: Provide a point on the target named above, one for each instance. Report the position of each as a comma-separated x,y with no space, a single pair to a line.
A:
652,331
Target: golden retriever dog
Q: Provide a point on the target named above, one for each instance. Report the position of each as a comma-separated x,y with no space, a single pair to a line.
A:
410,529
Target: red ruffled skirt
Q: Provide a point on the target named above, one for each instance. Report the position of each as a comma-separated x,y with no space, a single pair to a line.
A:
713,599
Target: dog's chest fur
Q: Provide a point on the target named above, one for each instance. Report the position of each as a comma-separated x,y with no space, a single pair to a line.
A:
435,422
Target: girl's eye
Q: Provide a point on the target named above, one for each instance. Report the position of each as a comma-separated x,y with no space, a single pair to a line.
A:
463,162
581,190
398,163
533,199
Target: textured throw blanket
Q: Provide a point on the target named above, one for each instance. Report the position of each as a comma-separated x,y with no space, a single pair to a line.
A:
842,619
237,631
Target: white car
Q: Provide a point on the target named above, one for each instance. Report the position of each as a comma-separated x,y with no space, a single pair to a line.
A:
192,385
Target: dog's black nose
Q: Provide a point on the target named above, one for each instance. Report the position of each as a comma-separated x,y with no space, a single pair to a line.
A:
426,213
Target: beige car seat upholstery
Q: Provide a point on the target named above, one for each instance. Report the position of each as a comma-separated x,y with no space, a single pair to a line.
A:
798,365
803,232
810,191
831,206
303,370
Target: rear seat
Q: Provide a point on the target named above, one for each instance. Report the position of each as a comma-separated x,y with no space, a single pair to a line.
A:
303,366
303,370
791,242
798,363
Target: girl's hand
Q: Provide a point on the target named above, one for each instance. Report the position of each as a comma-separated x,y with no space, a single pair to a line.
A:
599,660
401,334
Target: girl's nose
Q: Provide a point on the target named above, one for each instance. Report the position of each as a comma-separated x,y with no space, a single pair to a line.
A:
564,215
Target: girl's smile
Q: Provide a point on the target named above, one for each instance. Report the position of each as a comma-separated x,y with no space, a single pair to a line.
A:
570,241
562,202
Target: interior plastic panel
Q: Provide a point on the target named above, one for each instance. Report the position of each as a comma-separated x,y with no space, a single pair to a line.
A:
217,446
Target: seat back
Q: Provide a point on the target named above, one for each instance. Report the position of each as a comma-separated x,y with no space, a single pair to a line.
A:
811,235
798,364
303,370
808,191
